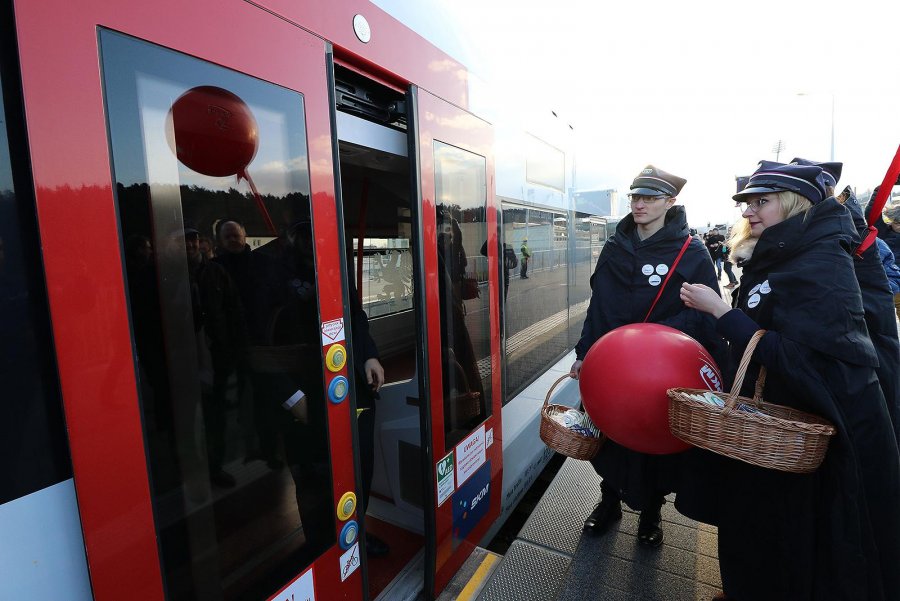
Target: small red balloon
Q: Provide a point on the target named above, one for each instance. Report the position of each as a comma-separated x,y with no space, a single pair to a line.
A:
214,131
624,378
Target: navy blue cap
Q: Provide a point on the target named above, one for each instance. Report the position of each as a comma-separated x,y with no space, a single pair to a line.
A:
656,182
805,180
190,228
831,171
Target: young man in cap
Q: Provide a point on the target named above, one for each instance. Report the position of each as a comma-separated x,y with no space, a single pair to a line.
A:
631,268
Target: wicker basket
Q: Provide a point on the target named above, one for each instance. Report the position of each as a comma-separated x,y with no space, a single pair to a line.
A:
773,436
560,438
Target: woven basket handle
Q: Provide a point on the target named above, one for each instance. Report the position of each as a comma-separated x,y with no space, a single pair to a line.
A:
552,388
731,401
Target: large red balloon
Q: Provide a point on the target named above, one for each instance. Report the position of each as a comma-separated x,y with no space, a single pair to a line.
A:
625,376
215,131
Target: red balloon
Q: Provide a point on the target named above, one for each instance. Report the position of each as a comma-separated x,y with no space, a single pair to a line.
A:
624,378
215,131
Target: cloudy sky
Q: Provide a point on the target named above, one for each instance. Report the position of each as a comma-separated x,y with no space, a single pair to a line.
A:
699,88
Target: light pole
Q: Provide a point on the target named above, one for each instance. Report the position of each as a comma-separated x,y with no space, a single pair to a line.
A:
832,127
832,119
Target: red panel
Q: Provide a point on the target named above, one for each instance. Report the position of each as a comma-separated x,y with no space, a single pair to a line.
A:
439,120
77,218
394,51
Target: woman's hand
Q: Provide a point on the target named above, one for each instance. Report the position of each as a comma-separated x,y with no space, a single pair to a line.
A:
703,298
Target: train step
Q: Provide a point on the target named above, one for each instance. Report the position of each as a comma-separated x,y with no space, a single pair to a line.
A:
469,581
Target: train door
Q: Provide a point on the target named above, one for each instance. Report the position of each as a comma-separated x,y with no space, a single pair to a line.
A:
378,213
459,229
182,156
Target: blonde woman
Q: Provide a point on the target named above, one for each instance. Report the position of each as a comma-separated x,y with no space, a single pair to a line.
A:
833,534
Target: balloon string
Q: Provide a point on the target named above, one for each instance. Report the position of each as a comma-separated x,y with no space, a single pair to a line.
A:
259,202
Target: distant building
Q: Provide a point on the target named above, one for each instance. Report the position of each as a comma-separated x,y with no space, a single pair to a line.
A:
600,202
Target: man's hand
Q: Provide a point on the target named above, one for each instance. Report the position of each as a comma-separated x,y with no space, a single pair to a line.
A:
575,370
374,373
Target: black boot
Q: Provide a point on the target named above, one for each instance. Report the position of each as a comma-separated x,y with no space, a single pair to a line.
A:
607,511
650,532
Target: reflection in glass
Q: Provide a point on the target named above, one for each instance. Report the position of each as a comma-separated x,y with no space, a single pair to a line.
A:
33,449
537,307
461,195
240,474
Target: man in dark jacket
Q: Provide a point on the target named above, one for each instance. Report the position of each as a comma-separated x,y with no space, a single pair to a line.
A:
632,266
219,325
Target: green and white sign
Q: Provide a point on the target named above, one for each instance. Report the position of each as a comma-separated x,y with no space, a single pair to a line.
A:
446,483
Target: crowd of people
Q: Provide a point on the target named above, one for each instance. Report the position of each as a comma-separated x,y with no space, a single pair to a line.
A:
822,292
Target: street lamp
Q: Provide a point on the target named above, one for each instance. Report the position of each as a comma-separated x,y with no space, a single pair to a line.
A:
832,119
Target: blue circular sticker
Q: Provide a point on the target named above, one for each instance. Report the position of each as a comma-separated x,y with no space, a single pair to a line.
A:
338,389
348,535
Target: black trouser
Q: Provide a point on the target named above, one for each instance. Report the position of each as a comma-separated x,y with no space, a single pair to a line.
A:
730,273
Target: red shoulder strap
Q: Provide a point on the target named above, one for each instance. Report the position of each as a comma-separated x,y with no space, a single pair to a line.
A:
668,275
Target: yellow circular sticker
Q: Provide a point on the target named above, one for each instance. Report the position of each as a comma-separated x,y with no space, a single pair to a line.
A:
336,357
346,506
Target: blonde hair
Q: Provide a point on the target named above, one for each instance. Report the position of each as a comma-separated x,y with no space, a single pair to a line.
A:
742,242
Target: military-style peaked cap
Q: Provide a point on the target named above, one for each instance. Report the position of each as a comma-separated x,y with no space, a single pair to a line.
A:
656,182
805,180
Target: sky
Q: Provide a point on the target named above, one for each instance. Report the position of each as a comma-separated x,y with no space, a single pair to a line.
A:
700,89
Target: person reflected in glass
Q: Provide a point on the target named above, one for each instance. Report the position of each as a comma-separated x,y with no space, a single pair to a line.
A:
221,339
254,275
297,385
631,268
463,391
834,533
526,257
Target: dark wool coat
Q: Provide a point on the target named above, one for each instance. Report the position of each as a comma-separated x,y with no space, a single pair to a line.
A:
622,293
881,319
833,534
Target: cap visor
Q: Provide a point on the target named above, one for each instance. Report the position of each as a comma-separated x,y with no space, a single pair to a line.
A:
646,192
755,190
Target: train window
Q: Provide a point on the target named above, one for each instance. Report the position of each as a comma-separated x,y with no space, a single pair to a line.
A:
33,450
536,310
461,214
213,198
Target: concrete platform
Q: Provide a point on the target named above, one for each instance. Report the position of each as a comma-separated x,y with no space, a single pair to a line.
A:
554,559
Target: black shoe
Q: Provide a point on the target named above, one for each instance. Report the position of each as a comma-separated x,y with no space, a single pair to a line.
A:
604,515
222,478
375,547
650,532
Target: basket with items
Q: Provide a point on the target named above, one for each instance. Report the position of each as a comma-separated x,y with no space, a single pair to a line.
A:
567,430
750,430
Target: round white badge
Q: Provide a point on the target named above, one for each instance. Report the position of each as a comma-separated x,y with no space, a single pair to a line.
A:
753,300
647,269
754,290
764,288
662,269
654,280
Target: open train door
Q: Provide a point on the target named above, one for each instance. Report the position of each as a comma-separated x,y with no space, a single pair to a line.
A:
459,225
206,397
